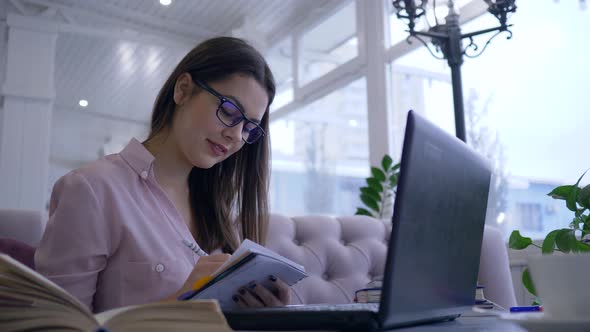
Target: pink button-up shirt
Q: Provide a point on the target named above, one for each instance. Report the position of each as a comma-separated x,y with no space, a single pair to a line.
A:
113,237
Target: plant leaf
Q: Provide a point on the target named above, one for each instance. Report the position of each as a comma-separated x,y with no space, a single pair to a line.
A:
566,240
375,184
549,242
586,227
393,180
371,192
386,162
528,282
518,241
396,167
584,197
571,199
583,247
378,174
573,195
370,202
561,192
363,212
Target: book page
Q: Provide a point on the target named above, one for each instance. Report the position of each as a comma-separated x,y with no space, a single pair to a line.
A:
170,315
11,268
248,247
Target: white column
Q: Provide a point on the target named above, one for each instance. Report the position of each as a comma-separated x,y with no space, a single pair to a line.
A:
371,19
25,123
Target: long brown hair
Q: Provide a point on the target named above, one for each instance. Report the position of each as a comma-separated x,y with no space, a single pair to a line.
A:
237,186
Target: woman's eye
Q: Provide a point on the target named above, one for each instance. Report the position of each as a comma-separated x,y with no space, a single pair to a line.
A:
225,112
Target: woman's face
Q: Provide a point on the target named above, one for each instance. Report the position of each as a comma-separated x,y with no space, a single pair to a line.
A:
199,134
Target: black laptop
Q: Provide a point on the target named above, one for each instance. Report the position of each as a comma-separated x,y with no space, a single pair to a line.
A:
434,248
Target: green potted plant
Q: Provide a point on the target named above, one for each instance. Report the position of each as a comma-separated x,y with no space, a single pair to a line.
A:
572,239
379,193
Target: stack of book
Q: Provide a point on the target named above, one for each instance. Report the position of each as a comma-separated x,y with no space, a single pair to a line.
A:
371,293
480,300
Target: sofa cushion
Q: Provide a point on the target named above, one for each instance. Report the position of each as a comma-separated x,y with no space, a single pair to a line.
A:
20,251
339,254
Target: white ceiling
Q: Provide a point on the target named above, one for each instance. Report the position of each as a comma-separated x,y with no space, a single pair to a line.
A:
117,53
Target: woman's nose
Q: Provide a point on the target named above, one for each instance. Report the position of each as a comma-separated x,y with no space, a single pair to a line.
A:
234,133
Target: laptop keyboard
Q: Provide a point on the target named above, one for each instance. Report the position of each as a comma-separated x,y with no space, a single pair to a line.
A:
374,307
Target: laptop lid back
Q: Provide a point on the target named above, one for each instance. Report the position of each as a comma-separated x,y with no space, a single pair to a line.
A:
438,221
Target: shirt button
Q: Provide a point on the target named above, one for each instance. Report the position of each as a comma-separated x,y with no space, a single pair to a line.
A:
160,268
144,175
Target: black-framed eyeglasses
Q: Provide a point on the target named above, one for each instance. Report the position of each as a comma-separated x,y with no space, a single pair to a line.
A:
231,115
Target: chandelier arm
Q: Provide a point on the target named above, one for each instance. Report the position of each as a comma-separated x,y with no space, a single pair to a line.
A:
474,46
425,44
480,32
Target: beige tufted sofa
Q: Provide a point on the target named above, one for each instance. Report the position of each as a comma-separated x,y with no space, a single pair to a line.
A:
342,254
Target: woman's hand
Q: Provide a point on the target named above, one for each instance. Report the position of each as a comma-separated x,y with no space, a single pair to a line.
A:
206,265
254,295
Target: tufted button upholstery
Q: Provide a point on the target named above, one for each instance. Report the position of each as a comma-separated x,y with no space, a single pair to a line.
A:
339,254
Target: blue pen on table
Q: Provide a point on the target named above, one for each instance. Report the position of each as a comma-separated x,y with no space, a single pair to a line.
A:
526,308
194,247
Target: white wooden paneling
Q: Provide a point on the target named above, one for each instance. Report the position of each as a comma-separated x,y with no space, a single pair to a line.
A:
26,116
25,152
30,57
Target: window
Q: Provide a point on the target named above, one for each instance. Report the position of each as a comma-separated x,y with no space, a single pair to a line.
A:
280,59
534,90
423,84
526,108
320,154
329,44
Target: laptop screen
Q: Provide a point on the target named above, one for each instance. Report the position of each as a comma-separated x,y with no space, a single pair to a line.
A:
438,222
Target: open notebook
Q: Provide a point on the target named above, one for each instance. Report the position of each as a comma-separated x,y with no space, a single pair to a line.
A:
250,262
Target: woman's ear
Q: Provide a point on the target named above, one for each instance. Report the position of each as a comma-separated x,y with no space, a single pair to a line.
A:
183,88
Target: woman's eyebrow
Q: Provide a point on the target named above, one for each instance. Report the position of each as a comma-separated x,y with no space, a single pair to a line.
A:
235,100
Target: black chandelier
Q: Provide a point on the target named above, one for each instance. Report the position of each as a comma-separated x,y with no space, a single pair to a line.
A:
447,41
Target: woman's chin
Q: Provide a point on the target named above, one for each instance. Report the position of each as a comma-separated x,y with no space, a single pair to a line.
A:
205,163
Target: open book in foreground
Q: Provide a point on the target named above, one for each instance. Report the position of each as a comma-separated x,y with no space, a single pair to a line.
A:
250,262
29,301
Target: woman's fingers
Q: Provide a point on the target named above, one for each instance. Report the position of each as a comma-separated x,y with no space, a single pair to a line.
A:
283,291
248,299
255,295
265,296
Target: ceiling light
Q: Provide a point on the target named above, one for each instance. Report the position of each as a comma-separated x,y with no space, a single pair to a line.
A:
353,123
165,2
83,102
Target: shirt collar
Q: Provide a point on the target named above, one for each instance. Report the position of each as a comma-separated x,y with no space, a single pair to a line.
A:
138,157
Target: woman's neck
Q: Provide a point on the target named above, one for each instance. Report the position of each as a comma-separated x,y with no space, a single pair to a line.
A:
170,168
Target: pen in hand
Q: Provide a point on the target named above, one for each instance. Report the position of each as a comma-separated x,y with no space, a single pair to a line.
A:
194,247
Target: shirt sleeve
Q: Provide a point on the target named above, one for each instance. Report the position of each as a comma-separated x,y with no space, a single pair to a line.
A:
75,245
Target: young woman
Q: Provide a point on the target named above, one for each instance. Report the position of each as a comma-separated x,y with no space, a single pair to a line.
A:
125,229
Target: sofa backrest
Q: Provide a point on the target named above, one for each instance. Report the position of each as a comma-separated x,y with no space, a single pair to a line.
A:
21,225
340,254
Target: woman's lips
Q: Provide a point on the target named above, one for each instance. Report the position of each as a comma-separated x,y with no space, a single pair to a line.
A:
217,149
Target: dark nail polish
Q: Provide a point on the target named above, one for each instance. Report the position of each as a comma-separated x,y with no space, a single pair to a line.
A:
252,285
242,291
272,278
235,298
